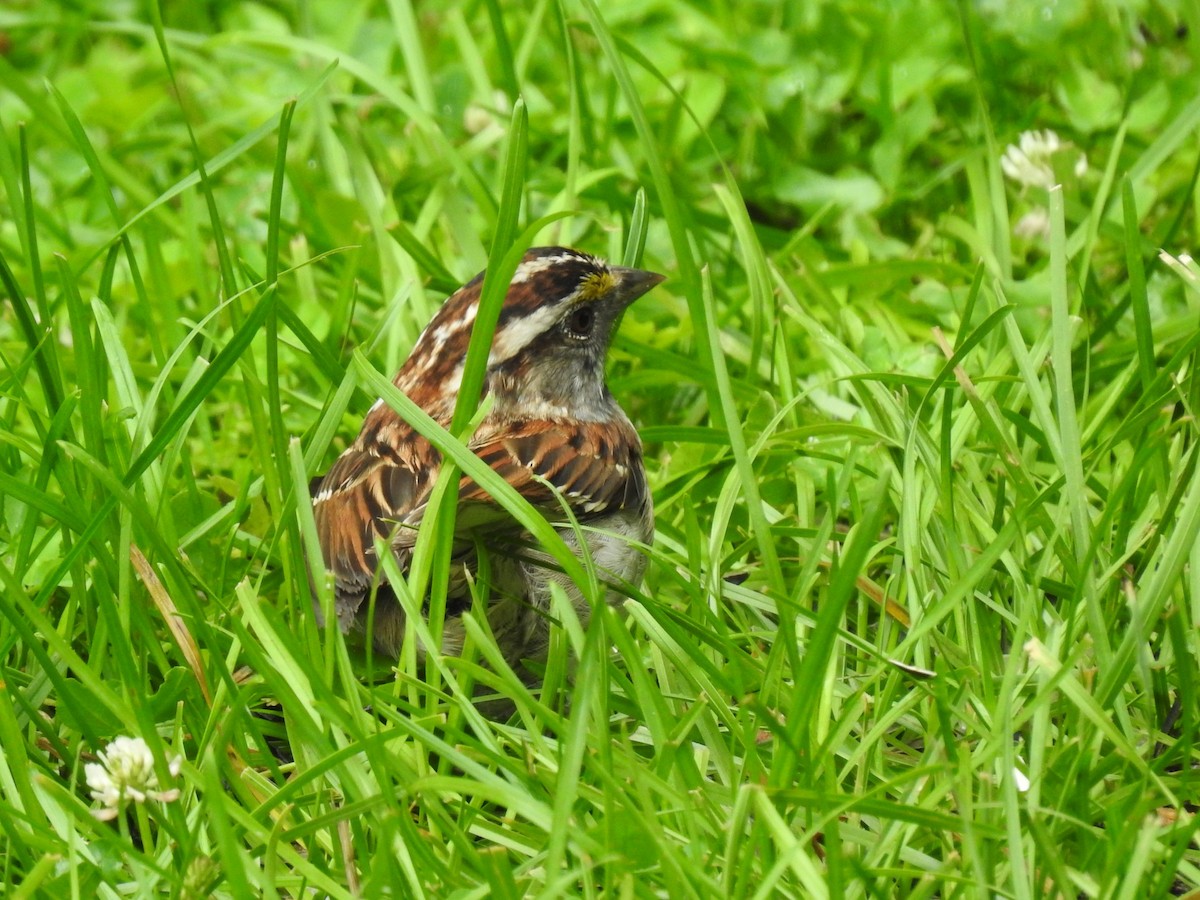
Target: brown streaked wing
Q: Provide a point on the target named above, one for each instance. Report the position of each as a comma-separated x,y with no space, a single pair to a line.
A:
596,465
369,496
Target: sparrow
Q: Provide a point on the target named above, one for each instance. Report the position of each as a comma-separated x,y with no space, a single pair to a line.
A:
553,431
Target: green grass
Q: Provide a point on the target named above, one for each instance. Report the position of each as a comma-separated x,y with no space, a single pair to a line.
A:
922,615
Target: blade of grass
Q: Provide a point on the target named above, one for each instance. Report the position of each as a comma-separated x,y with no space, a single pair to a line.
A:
689,271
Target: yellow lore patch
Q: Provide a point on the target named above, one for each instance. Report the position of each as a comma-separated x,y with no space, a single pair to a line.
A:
595,285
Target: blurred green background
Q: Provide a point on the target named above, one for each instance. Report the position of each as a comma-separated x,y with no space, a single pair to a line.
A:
921,617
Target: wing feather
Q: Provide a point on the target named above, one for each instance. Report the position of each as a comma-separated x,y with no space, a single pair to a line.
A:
379,488
596,465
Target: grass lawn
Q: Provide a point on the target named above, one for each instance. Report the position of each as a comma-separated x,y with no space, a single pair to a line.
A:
919,399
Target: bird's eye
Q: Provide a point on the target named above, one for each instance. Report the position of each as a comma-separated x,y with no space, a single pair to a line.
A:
580,321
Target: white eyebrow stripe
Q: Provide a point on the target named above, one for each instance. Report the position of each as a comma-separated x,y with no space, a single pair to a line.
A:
531,267
517,333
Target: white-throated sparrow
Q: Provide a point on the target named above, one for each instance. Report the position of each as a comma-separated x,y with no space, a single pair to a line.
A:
552,422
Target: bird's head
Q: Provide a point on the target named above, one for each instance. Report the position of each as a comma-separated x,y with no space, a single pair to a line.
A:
550,344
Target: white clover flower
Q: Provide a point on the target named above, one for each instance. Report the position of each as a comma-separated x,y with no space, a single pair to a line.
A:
1035,223
126,772
1029,162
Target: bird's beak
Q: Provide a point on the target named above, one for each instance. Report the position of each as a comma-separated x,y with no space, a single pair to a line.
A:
632,283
